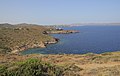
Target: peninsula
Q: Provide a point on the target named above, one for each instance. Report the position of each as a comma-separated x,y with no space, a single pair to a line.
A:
16,38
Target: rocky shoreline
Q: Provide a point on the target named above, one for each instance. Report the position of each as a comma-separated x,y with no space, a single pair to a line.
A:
20,37
38,45
61,32
44,44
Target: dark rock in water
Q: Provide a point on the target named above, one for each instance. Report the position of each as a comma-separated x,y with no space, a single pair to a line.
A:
55,40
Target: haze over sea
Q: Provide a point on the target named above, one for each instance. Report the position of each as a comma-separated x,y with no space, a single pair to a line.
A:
91,39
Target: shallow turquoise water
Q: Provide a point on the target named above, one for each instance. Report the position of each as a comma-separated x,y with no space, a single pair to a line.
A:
95,39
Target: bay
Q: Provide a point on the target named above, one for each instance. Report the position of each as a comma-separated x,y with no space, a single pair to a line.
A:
91,39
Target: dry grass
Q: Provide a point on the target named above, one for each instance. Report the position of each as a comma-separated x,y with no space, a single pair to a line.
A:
106,64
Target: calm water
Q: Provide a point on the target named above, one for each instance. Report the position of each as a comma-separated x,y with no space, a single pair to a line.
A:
95,39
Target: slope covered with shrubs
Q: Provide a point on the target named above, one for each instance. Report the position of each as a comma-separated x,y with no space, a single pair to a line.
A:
23,36
30,67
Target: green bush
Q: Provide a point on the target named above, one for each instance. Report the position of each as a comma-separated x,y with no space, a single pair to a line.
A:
30,67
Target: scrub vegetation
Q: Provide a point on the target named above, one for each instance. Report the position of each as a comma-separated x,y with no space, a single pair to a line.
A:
23,36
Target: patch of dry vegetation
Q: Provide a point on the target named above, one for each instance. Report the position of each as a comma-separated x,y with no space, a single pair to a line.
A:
30,67
107,64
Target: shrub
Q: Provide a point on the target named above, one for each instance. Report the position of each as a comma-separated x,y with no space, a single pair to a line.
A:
30,67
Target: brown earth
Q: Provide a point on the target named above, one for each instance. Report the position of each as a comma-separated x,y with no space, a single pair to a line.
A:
107,64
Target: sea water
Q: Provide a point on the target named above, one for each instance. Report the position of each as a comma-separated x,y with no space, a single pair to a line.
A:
90,39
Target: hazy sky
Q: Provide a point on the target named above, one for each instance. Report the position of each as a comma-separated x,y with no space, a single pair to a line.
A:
59,11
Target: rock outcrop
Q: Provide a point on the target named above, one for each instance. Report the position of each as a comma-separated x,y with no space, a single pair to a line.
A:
61,32
55,40
17,49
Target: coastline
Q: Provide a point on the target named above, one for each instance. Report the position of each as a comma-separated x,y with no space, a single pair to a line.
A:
31,36
89,64
41,45
46,43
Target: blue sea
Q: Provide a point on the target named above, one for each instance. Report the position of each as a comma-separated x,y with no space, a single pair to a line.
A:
91,39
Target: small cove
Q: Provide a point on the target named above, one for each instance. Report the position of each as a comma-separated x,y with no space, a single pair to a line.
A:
91,39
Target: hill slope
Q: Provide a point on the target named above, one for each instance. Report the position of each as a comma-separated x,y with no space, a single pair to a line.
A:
23,36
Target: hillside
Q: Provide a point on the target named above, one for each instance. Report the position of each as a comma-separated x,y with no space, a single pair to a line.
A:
16,38
23,36
106,64
19,37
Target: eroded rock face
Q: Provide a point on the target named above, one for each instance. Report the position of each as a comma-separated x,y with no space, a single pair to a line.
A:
17,49
41,44
55,40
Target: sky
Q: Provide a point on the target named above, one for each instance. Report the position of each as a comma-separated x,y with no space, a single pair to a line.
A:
59,11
